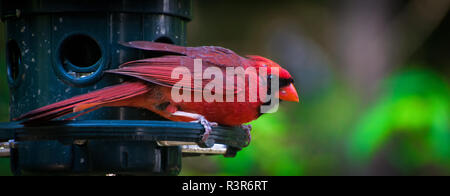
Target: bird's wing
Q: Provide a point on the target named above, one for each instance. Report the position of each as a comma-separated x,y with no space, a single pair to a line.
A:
216,55
166,71
155,46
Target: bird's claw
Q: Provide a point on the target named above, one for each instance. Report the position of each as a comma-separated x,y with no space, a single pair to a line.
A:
248,129
208,129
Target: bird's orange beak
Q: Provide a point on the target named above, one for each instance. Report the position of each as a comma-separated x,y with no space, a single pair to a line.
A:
288,93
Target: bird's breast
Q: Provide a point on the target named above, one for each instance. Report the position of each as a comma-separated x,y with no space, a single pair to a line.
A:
224,113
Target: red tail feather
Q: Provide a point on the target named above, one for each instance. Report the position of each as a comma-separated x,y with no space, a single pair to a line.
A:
86,101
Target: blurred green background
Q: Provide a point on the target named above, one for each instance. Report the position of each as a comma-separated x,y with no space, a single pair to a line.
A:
373,79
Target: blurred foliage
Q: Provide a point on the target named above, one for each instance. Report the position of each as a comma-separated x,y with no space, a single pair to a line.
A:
267,157
354,119
412,114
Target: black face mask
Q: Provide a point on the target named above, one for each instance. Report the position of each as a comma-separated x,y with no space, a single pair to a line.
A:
283,82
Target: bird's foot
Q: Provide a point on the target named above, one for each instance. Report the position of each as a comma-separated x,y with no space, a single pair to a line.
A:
248,129
207,126
205,143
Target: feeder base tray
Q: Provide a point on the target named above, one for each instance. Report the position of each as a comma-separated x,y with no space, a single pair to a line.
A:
123,147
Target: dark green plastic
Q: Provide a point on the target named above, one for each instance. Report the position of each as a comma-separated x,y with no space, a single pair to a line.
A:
52,35
137,130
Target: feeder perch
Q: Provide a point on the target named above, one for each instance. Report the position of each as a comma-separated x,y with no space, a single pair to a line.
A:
59,49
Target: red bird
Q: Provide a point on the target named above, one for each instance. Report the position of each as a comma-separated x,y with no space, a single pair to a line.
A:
153,85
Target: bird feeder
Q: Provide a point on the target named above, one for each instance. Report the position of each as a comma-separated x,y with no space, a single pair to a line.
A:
58,49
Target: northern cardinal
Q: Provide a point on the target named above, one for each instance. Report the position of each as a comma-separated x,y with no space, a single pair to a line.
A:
151,88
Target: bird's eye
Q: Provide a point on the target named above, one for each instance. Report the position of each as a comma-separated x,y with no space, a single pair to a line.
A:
286,82
282,81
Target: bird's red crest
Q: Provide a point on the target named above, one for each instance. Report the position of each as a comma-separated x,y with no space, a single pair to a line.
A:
264,62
